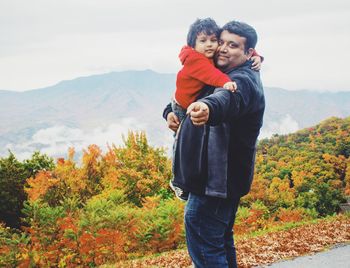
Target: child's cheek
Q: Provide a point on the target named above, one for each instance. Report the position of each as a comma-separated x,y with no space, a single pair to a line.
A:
215,47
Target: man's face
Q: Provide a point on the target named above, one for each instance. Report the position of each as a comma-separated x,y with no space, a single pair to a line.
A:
230,52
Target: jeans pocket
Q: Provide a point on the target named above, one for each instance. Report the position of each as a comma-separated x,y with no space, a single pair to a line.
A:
220,208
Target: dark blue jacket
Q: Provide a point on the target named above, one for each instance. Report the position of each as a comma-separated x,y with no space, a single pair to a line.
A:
218,159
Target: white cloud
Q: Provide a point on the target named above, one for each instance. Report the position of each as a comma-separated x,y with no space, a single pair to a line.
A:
284,126
55,141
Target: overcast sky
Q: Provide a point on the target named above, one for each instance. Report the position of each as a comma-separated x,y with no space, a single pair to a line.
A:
306,43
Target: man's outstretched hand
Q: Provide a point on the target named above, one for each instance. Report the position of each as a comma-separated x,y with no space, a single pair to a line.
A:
173,121
199,113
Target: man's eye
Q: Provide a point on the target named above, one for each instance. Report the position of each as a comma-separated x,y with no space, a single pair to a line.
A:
232,45
221,42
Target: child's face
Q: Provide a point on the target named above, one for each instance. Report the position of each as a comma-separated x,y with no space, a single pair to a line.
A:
206,44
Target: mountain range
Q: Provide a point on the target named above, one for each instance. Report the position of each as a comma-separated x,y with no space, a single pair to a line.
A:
100,108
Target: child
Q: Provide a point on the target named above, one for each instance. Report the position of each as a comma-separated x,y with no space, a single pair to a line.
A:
199,70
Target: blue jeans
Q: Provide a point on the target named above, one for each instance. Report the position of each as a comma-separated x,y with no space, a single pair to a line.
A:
178,110
209,235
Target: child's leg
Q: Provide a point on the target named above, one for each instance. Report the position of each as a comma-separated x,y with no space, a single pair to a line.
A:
178,110
181,114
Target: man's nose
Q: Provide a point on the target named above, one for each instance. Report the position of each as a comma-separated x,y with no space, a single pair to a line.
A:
222,48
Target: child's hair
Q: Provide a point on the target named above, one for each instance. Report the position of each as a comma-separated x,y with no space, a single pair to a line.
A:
207,26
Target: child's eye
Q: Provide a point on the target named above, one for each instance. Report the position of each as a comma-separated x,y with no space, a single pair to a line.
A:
202,40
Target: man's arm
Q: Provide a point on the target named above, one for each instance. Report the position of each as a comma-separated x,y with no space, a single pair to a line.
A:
220,106
166,111
213,111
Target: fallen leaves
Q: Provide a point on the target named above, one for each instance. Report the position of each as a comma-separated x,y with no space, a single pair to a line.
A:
267,248
292,243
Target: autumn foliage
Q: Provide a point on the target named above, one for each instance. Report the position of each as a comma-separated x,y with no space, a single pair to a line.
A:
114,205
300,176
13,176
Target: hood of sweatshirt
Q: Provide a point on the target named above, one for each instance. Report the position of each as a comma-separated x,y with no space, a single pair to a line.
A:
185,52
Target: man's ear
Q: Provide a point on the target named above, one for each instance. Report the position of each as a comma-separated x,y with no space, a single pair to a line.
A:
250,53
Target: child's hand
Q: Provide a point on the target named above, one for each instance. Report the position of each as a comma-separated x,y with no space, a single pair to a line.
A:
232,86
256,63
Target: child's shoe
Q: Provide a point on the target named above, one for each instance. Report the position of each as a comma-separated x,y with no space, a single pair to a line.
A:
179,193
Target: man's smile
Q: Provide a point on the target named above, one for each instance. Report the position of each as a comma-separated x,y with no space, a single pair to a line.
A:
220,56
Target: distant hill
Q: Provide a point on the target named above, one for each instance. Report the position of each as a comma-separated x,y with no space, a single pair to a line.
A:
98,108
305,107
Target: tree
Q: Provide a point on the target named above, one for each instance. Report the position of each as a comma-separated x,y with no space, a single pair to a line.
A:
13,175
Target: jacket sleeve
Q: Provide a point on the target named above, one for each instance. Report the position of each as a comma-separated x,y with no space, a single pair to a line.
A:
167,110
200,68
225,105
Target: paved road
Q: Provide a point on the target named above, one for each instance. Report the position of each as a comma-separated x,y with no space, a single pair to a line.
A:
337,257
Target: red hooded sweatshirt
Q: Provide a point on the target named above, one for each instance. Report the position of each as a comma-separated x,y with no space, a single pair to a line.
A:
196,72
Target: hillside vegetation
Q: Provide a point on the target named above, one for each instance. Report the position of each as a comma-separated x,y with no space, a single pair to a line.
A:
117,205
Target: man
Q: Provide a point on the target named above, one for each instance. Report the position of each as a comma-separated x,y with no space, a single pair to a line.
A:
215,150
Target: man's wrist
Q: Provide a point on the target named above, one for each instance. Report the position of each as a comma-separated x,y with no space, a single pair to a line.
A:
207,104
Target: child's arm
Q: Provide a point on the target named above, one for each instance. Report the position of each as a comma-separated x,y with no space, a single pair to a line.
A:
199,67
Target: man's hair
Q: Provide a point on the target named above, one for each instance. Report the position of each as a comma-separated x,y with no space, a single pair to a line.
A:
244,30
207,26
